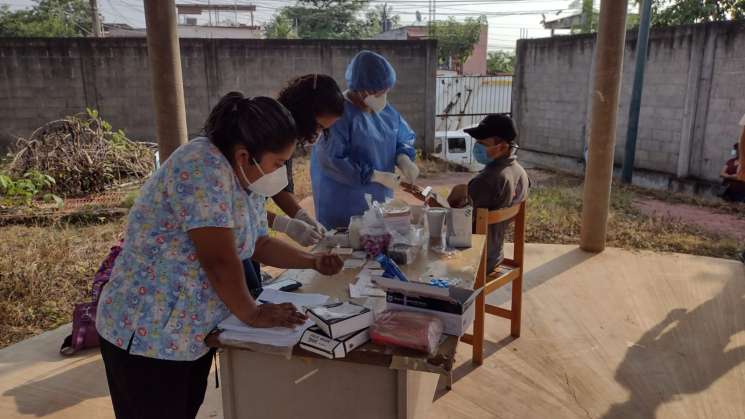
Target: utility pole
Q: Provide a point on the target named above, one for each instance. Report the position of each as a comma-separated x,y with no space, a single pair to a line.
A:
95,19
599,173
384,18
636,92
165,73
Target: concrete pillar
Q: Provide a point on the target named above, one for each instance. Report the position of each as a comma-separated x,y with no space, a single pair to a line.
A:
430,98
165,72
605,92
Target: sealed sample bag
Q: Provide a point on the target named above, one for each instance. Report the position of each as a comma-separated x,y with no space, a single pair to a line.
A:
407,329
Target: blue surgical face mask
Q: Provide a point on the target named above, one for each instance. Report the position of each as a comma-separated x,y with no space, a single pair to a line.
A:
480,154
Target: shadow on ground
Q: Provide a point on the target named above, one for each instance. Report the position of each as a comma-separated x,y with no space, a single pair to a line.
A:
683,354
60,390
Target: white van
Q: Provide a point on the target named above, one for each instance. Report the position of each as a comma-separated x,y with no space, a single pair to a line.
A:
456,147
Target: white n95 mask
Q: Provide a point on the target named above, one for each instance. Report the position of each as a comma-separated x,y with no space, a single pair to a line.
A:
376,103
267,185
733,153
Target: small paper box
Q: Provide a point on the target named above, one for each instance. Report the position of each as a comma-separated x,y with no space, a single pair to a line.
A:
453,305
340,319
460,227
314,340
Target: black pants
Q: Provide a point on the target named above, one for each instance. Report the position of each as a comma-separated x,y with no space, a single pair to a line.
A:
144,388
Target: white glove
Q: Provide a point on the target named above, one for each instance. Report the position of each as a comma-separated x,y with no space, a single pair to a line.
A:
303,215
407,167
387,179
300,231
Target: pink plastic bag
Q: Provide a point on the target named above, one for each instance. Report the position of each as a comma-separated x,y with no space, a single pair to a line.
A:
407,329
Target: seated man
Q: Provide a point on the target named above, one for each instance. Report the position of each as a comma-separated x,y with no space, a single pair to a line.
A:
735,188
501,184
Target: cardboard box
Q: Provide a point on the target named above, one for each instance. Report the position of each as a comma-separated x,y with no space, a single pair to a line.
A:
341,319
315,341
453,305
460,227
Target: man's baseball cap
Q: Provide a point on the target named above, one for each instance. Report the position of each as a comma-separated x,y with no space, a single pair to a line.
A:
494,125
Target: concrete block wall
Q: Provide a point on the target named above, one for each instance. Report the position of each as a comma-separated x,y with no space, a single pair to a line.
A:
45,79
691,102
549,93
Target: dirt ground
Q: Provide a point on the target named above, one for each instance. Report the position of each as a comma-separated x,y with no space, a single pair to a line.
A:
707,219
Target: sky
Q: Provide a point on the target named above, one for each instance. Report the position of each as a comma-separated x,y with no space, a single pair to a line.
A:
509,20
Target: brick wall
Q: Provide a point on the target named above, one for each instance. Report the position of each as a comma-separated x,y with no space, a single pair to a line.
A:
46,79
691,102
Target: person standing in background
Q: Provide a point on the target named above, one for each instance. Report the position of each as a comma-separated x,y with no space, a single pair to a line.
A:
735,188
315,103
363,148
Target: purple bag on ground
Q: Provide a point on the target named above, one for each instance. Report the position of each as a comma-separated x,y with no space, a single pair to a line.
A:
84,334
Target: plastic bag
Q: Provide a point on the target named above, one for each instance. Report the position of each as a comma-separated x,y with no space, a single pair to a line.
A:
374,236
396,215
407,329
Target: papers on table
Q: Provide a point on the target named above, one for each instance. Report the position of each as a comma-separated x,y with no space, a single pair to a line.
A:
300,300
364,286
353,263
342,251
236,330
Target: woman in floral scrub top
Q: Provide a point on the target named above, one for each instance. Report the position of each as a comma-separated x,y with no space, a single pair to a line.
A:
179,273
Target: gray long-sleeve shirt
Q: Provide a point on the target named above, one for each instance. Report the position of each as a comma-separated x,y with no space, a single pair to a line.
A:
501,184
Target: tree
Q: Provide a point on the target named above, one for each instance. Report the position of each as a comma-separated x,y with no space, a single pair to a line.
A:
281,27
329,19
47,18
455,40
381,18
683,12
500,62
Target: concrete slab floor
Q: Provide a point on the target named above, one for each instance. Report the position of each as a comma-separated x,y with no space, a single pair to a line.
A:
617,335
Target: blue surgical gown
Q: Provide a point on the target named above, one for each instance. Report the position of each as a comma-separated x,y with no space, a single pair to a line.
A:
342,164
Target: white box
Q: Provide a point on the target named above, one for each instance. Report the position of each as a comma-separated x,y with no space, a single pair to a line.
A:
452,324
460,227
454,305
340,319
315,341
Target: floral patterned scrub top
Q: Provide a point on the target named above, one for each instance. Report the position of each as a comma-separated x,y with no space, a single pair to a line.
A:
159,302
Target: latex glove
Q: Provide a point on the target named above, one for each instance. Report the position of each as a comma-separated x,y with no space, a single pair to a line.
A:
407,167
387,179
303,215
298,230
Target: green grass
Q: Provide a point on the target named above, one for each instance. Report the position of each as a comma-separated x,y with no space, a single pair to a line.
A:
554,215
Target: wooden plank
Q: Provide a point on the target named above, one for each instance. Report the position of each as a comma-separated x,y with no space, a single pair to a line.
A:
502,215
498,311
495,284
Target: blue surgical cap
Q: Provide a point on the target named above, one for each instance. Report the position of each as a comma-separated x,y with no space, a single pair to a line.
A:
371,72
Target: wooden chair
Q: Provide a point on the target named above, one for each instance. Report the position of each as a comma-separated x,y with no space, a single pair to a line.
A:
509,270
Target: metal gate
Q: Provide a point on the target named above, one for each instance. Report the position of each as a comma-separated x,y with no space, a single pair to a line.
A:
462,101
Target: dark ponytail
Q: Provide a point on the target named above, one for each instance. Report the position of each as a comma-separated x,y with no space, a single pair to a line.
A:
261,124
308,97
